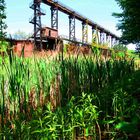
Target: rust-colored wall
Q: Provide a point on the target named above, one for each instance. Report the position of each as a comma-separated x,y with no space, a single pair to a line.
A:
27,46
49,32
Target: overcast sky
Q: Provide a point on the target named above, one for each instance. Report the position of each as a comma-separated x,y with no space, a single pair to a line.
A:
100,11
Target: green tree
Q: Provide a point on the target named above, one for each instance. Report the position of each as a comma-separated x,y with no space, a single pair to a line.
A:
3,26
19,35
120,47
129,22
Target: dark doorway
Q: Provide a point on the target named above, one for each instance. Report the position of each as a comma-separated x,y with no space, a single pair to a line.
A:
49,45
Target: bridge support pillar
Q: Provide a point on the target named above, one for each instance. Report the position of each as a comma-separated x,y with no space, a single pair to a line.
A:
99,36
105,38
95,35
72,28
36,21
54,17
84,32
113,40
108,40
102,37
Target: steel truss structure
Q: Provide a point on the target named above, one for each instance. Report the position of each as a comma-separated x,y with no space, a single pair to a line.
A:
99,34
102,37
36,20
95,36
72,28
85,32
54,17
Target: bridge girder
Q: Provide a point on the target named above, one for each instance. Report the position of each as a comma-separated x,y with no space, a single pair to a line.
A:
55,6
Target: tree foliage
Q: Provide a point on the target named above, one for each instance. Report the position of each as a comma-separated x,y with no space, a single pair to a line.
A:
3,26
120,47
19,35
129,22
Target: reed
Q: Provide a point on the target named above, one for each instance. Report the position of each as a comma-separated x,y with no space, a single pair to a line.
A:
59,99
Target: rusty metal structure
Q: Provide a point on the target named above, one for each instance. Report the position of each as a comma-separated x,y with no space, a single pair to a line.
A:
99,34
72,27
36,21
85,32
54,17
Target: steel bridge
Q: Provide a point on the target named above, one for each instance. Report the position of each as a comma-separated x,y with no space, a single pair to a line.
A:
99,34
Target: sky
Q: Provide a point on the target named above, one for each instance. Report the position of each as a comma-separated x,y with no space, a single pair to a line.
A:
99,11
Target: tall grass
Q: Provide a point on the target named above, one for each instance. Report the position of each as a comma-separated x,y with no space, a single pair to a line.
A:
45,99
87,74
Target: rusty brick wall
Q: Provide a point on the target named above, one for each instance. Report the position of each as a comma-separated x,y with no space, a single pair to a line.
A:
25,47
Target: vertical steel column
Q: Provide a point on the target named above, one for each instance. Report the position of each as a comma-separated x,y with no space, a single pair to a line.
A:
113,41
105,36
84,32
54,17
108,40
72,28
94,35
99,36
36,20
102,37
35,23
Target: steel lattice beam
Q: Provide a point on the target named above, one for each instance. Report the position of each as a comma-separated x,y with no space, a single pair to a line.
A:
54,17
84,32
72,28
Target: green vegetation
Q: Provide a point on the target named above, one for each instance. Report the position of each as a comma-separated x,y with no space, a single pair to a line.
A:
2,18
120,47
79,97
129,21
21,35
